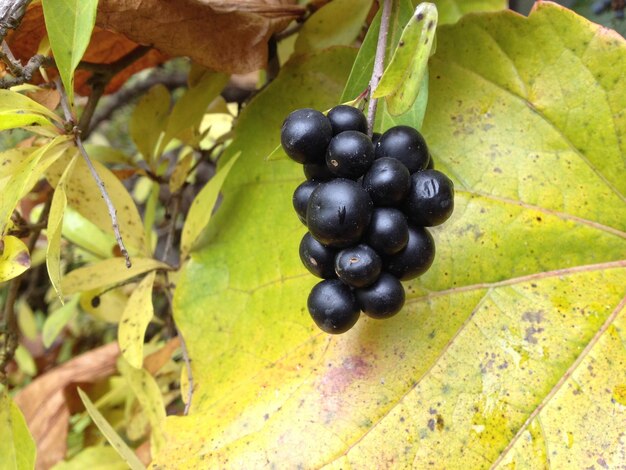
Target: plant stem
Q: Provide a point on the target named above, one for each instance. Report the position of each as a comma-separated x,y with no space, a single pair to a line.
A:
94,174
379,64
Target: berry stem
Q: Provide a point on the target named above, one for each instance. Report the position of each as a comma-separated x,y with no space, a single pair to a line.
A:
379,64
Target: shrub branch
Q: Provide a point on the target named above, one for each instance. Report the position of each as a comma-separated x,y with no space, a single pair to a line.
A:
379,64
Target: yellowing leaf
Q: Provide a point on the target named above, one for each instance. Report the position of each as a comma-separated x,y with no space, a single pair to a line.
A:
17,446
57,320
179,175
511,344
337,23
12,102
23,177
190,108
106,306
149,119
55,226
11,159
450,11
12,121
201,209
403,77
69,24
135,319
83,195
148,394
100,457
14,258
125,452
105,273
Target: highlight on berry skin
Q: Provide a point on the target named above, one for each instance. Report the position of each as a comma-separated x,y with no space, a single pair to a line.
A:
366,203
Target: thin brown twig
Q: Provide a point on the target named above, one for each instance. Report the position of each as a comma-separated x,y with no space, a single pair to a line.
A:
379,64
9,318
94,174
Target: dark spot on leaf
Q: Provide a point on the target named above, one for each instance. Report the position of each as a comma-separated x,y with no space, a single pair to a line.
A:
420,16
431,424
431,24
401,43
95,301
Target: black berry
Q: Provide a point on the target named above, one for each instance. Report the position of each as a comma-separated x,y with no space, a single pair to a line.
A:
317,172
388,231
405,144
333,307
346,118
358,266
301,198
305,135
431,163
387,181
338,212
431,198
317,258
415,258
383,299
376,137
350,154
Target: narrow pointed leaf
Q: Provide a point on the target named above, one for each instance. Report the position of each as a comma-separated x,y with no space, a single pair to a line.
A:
149,119
57,320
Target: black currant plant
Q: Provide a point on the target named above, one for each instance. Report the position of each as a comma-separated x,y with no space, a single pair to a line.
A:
507,352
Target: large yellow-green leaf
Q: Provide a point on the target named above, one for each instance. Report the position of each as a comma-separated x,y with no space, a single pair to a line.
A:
336,23
149,119
451,10
513,343
134,321
69,24
17,446
14,258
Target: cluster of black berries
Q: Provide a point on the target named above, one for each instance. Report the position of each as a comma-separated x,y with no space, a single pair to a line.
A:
366,203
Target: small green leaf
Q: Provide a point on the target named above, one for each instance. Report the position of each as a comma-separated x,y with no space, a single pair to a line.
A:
109,433
25,361
201,209
404,75
57,320
100,457
190,108
148,394
69,24
14,258
135,319
55,228
17,446
149,119
337,23
14,120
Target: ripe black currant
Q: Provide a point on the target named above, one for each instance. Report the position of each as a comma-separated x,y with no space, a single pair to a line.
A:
350,154
317,258
305,135
415,258
333,307
431,198
314,171
405,144
338,212
388,231
358,266
347,118
383,299
387,181
301,198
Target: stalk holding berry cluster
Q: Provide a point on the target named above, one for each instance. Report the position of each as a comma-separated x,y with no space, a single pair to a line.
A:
366,203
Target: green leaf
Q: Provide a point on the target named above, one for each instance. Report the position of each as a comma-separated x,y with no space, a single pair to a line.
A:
55,228
337,23
148,394
125,452
13,102
135,319
201,210
403,78
450,11
190,108
148,120
57,320
15,120
69,24
100,457
14,258
17,446
511,344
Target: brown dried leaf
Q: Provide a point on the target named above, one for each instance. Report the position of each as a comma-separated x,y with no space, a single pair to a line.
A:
224,36
44,402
